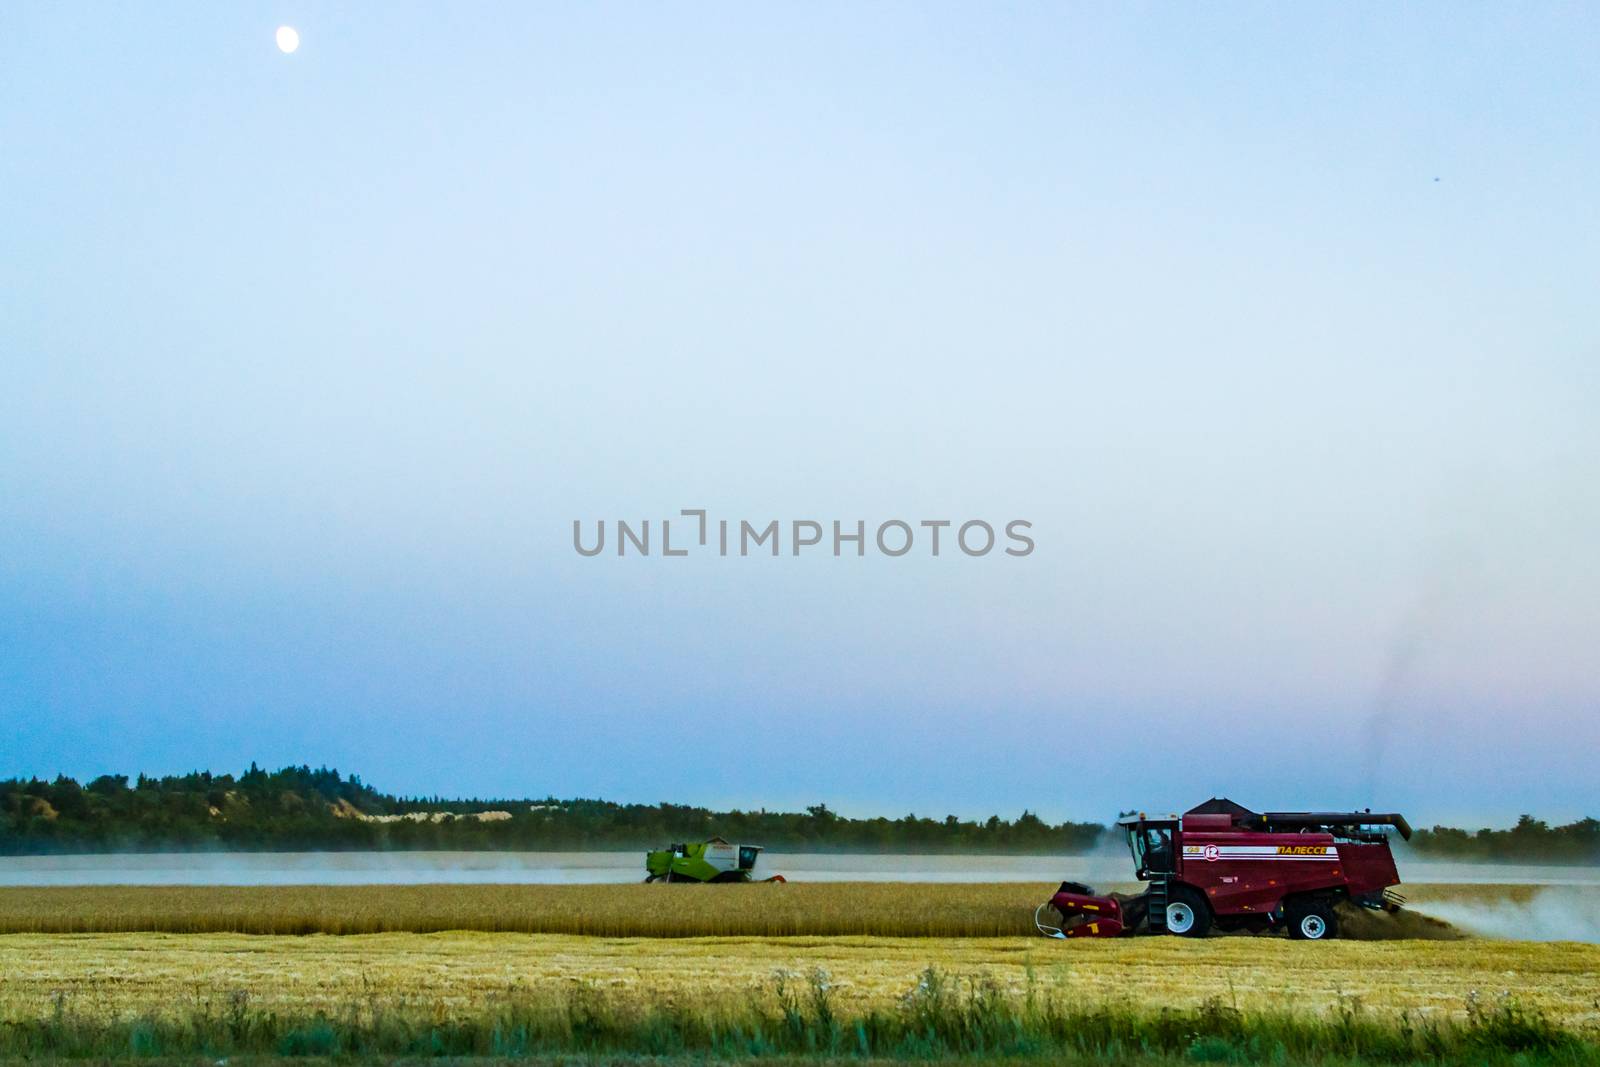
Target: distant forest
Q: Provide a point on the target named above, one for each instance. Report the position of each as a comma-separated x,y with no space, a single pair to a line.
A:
1531,841
298,808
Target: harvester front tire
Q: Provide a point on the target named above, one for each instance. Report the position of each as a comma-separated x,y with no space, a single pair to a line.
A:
1313,921
1188,914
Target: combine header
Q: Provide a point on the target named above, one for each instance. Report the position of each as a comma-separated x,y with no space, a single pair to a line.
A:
1226,866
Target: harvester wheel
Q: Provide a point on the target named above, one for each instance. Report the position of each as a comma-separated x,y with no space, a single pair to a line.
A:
1313,920
1188,914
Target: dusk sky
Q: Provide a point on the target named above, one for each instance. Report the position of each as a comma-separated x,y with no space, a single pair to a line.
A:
1278,323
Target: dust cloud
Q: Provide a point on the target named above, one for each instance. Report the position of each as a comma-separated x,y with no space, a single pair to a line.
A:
1555,913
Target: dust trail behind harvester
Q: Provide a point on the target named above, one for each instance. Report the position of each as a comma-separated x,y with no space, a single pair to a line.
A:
1555,913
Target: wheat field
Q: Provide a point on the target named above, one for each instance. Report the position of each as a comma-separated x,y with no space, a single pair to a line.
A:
760,909
91,973
882,909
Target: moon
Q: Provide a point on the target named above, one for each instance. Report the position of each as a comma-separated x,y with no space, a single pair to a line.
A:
288,39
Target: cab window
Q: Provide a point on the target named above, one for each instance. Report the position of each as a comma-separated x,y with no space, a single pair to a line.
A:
1158,850
1152,849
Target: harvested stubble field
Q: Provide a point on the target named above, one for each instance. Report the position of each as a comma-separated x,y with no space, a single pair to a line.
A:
882,909
120,975
375,997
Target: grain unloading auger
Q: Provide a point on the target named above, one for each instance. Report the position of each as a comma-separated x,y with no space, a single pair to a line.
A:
1223,865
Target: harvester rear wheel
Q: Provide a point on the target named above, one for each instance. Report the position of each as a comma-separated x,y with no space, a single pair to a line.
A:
1188,914
1312,920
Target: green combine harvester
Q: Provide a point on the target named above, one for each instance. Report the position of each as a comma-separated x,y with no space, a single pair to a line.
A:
705,861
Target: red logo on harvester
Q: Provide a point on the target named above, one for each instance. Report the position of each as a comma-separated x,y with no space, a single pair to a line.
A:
1212,852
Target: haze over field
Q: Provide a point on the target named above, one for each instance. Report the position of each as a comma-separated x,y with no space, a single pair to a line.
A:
1278,325
1106,867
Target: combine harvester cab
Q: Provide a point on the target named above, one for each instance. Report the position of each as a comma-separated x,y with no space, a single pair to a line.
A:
1222,865
704,861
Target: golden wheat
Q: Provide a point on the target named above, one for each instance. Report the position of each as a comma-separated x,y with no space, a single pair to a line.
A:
885,909
610,911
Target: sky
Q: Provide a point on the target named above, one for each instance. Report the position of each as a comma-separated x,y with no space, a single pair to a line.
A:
1276,323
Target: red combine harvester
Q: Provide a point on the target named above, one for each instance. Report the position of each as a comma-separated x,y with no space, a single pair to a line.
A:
1226,866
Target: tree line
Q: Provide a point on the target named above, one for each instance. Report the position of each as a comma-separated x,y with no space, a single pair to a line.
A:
1530,840
300,808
